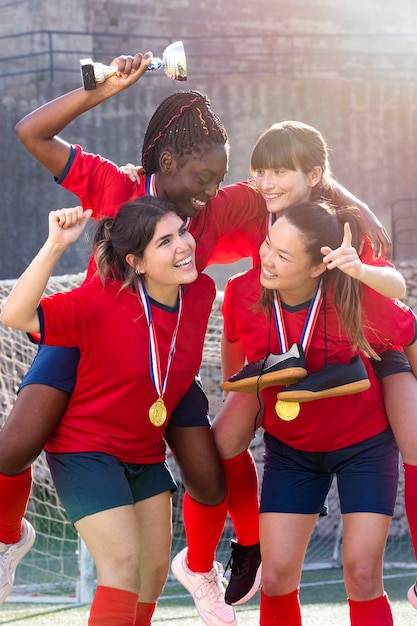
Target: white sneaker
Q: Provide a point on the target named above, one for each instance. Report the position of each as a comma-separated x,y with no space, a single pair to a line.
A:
207,590
10,556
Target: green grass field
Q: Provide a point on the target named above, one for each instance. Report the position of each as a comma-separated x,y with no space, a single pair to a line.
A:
322,596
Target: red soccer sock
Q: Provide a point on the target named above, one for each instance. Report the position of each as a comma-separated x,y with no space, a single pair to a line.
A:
203,528
375,612
280,610
14,496
242,503
144,612
113,607
410,498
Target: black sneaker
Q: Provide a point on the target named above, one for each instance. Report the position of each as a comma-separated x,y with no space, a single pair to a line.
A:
336,379
245,565
274,369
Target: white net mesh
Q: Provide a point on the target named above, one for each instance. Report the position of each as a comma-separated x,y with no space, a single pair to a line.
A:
52,566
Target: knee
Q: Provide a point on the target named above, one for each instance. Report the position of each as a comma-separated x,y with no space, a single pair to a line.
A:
278,581
120,569
152,580
363,580
209,490
13,460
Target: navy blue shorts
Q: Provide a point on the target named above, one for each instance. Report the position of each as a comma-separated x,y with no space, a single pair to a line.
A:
193,409
53,366
298,482
90,482
392,362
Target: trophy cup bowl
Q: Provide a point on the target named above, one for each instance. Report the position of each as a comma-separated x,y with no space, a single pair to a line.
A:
173,62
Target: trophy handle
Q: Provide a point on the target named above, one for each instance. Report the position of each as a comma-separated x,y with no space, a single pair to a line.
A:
173,61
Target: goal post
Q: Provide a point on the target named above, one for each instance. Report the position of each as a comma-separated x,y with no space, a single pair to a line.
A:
58,567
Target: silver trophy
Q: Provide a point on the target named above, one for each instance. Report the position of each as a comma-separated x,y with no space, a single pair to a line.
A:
173,61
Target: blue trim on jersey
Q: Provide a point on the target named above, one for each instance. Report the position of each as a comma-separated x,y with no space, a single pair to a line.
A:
68,165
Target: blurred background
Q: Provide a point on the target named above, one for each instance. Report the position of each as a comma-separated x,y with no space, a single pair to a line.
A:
347,68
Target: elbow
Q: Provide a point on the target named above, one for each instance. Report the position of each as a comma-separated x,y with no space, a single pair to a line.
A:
13,319
5,318
25,133
402,290
22,134
18,129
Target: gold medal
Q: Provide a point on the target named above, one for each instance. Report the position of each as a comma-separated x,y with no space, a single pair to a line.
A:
287,411
158,412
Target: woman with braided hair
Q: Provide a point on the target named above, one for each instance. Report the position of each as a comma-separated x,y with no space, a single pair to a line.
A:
184,158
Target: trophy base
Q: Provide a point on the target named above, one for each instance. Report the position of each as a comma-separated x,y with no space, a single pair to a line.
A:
87,73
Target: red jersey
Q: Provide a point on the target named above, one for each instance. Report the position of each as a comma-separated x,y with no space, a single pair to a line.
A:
108,410
331,423
230,227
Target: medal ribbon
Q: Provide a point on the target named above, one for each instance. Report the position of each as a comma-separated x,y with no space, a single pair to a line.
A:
150,185
309,324
154,358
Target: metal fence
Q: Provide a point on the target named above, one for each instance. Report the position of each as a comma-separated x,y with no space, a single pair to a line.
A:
48,55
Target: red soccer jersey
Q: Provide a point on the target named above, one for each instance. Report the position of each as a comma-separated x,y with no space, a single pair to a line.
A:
332,423
230,227
108,410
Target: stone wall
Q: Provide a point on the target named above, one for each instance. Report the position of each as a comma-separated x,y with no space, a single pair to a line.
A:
409,271
346,68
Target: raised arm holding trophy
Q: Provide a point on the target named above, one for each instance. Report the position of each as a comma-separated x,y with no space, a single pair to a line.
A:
173,61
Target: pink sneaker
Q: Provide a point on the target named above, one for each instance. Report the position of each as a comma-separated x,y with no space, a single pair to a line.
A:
207,590
412,595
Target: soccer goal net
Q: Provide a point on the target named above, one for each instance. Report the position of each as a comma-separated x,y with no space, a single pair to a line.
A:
56,567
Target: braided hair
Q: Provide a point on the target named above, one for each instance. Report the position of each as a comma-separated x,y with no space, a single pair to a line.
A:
183,123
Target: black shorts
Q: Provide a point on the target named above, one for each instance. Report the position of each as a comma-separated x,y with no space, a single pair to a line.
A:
193,409
90,482
298,482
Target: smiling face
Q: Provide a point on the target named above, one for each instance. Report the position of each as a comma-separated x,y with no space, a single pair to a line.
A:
289,163
285,265
189,182
168,260
282,187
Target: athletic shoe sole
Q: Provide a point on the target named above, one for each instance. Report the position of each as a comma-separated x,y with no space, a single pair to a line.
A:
306,395
271,379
